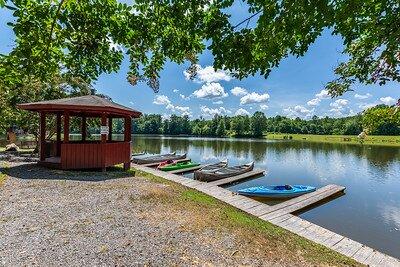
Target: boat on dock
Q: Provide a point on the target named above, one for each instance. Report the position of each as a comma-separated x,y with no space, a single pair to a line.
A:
214,166
157,158
180,165
277,191
213,174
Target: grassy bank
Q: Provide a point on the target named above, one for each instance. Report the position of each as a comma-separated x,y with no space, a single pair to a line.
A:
200,212
380,140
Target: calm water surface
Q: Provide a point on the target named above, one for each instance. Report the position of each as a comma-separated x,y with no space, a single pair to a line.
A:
369,212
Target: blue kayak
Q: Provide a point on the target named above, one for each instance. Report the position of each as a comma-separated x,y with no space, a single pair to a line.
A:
277,191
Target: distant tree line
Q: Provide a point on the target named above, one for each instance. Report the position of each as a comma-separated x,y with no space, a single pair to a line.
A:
380,120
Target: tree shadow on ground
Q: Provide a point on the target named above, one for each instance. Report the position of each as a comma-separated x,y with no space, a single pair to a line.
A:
31,171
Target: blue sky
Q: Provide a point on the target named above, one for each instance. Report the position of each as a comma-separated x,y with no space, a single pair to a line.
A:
293,89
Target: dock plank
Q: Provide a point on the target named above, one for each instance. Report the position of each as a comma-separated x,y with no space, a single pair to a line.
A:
238,178
302,202
186,170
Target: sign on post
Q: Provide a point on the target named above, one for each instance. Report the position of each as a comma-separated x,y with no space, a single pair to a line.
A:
104,130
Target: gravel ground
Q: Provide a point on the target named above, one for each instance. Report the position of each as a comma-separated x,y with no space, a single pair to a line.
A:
54,218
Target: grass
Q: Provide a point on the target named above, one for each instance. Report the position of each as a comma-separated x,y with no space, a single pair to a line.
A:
3,175
380,140
198,212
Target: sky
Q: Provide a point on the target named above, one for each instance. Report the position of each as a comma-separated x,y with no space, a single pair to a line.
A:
293,89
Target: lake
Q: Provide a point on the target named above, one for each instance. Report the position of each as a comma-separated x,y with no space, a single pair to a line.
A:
369,212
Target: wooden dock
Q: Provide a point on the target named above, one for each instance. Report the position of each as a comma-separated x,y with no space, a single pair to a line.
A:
237,178
281,216
186,170
300,202
154,164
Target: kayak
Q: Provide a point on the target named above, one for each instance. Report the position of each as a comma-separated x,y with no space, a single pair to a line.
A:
170,161
156,158
179,166
277,191
220,173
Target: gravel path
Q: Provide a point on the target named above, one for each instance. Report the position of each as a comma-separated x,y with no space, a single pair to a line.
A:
53,218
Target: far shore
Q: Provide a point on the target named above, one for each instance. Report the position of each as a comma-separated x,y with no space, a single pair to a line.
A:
376,140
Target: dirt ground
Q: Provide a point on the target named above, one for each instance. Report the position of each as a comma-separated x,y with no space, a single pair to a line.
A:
53,218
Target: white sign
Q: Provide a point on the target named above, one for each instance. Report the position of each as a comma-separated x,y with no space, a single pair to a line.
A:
103,129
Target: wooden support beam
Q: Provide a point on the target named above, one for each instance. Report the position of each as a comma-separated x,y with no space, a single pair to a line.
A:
66,127
127,130
58,134
83,128
42,133
127,138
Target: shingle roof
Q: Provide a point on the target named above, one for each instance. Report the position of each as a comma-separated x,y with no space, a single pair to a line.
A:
89,103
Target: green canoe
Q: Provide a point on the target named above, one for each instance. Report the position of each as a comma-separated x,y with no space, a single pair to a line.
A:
179,166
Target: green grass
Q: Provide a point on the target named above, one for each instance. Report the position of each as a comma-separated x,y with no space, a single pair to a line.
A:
380,140
206,211
3,174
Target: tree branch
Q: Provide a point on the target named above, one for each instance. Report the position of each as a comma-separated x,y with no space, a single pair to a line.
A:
248,19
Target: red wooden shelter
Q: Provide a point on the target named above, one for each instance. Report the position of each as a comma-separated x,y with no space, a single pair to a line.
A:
68,154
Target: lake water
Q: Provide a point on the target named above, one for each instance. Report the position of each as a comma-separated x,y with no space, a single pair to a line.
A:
369,212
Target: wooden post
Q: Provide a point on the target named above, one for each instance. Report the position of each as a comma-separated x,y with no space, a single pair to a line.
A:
103,141
66,127
83,128
128,129
58,134
127,138
110,129
42,132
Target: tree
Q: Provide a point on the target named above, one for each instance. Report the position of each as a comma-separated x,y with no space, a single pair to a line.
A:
83,38
221,129
381,120
258,123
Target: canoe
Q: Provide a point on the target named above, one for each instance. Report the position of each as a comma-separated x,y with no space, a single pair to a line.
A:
277,191
157,158
170,161
211,167
217,174
178,166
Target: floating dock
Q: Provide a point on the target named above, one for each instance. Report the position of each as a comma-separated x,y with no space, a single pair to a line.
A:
237,178
298,203
281,215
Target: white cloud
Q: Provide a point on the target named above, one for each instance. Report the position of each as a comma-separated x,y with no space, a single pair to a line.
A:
219,102
323,94
210,90
339,103
175,90
239,91
388,100
365,106
314,102
358,96
164,100
298,111
254,98
214,111
208,75
184,97
264,107
161,100
241,111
